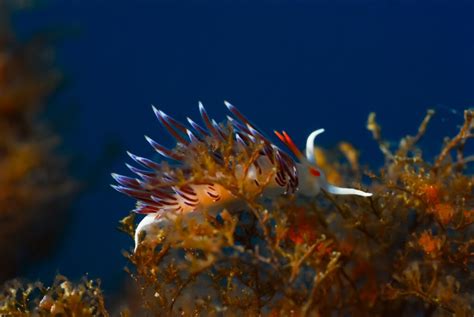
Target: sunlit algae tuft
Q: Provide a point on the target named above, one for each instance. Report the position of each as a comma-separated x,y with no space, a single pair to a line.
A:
406,250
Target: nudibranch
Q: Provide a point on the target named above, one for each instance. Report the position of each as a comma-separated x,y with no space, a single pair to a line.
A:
162,194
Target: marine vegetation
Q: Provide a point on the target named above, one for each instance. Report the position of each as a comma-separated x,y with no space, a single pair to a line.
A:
234,225
63,298
34,180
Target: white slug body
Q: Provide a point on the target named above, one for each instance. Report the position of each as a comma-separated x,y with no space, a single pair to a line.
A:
159,197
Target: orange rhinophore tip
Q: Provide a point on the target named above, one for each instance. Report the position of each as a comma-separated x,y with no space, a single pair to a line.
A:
281,137
285,138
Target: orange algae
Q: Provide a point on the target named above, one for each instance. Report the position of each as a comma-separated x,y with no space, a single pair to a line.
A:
407,250
63,298
34,184
444,212
428,243
302,229
328,255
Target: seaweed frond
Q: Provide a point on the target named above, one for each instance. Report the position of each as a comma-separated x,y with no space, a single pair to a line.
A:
63,298
406,250
34,180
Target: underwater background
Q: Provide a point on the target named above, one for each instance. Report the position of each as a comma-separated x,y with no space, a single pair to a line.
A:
292,65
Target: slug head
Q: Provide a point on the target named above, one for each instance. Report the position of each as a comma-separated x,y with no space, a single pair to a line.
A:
312,178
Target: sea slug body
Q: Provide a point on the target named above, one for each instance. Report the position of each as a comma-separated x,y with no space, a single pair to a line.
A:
161,193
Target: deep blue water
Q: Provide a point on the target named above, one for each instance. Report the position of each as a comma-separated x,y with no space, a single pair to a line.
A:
293,65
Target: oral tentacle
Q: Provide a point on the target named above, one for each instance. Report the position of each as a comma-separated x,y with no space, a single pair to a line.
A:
345,191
